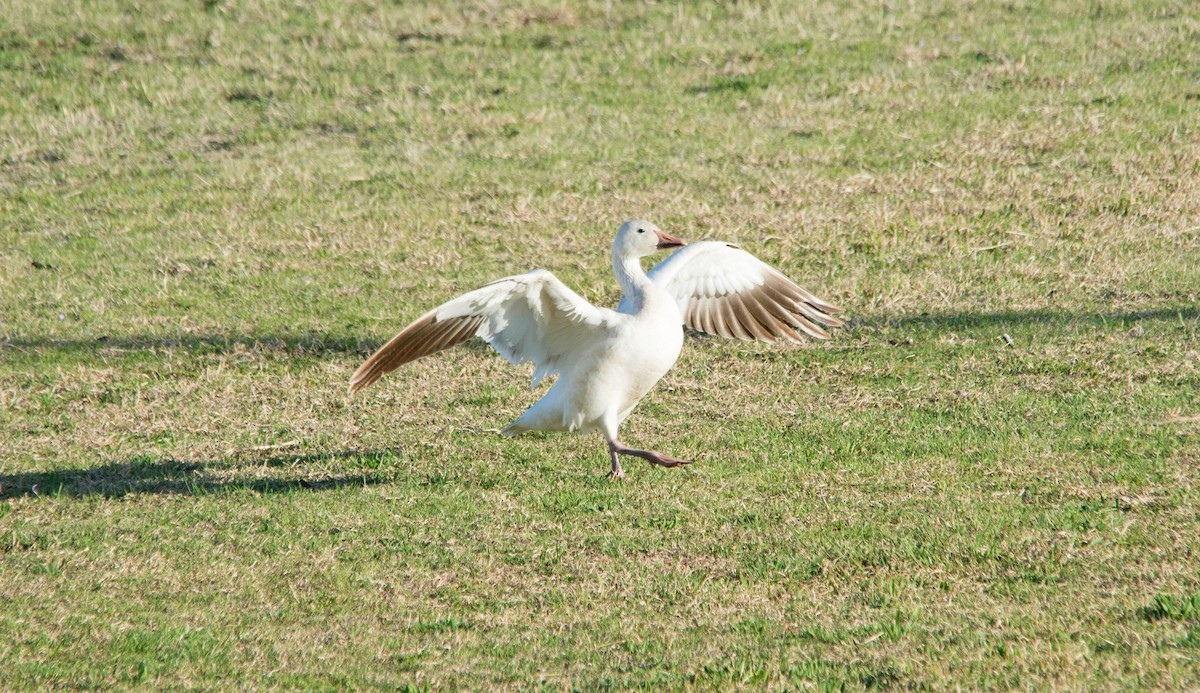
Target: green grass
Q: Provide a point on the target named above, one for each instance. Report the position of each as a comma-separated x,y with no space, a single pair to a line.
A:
211,212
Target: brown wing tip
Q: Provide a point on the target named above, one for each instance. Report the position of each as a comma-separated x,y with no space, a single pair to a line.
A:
362,378
831,321
426,335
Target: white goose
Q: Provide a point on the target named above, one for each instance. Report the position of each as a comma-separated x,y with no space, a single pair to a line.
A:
607,360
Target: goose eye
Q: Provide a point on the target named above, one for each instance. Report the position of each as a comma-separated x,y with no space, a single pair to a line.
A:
641,230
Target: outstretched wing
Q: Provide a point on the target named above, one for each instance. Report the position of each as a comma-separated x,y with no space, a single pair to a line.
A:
529,317
724,290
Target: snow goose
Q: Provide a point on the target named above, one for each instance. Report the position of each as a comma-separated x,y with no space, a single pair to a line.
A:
607,360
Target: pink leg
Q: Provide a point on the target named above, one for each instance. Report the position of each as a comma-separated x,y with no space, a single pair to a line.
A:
616,447
617,472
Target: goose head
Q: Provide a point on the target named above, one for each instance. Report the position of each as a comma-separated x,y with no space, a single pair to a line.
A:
639,238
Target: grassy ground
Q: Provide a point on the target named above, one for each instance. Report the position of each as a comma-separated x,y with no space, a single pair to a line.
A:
211,212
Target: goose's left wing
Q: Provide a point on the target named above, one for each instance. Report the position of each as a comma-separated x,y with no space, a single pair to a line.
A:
527,317
724,290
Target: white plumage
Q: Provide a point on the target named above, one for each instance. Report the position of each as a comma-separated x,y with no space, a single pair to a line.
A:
607,360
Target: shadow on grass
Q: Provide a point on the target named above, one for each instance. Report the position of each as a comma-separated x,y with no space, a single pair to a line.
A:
964,320
168,476
292,345
297,344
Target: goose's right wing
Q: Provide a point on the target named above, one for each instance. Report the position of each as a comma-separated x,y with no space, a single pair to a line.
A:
528,317
724,290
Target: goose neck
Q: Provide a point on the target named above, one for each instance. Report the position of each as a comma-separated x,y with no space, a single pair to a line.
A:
631,277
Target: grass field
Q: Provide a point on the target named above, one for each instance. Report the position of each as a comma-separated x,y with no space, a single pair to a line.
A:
211,212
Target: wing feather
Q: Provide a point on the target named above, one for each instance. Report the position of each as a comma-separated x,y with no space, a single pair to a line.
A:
704,316
717,318
733,324
744,310
792,314
780,319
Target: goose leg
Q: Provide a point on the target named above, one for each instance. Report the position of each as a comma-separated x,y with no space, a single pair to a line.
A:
616,447
617,472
